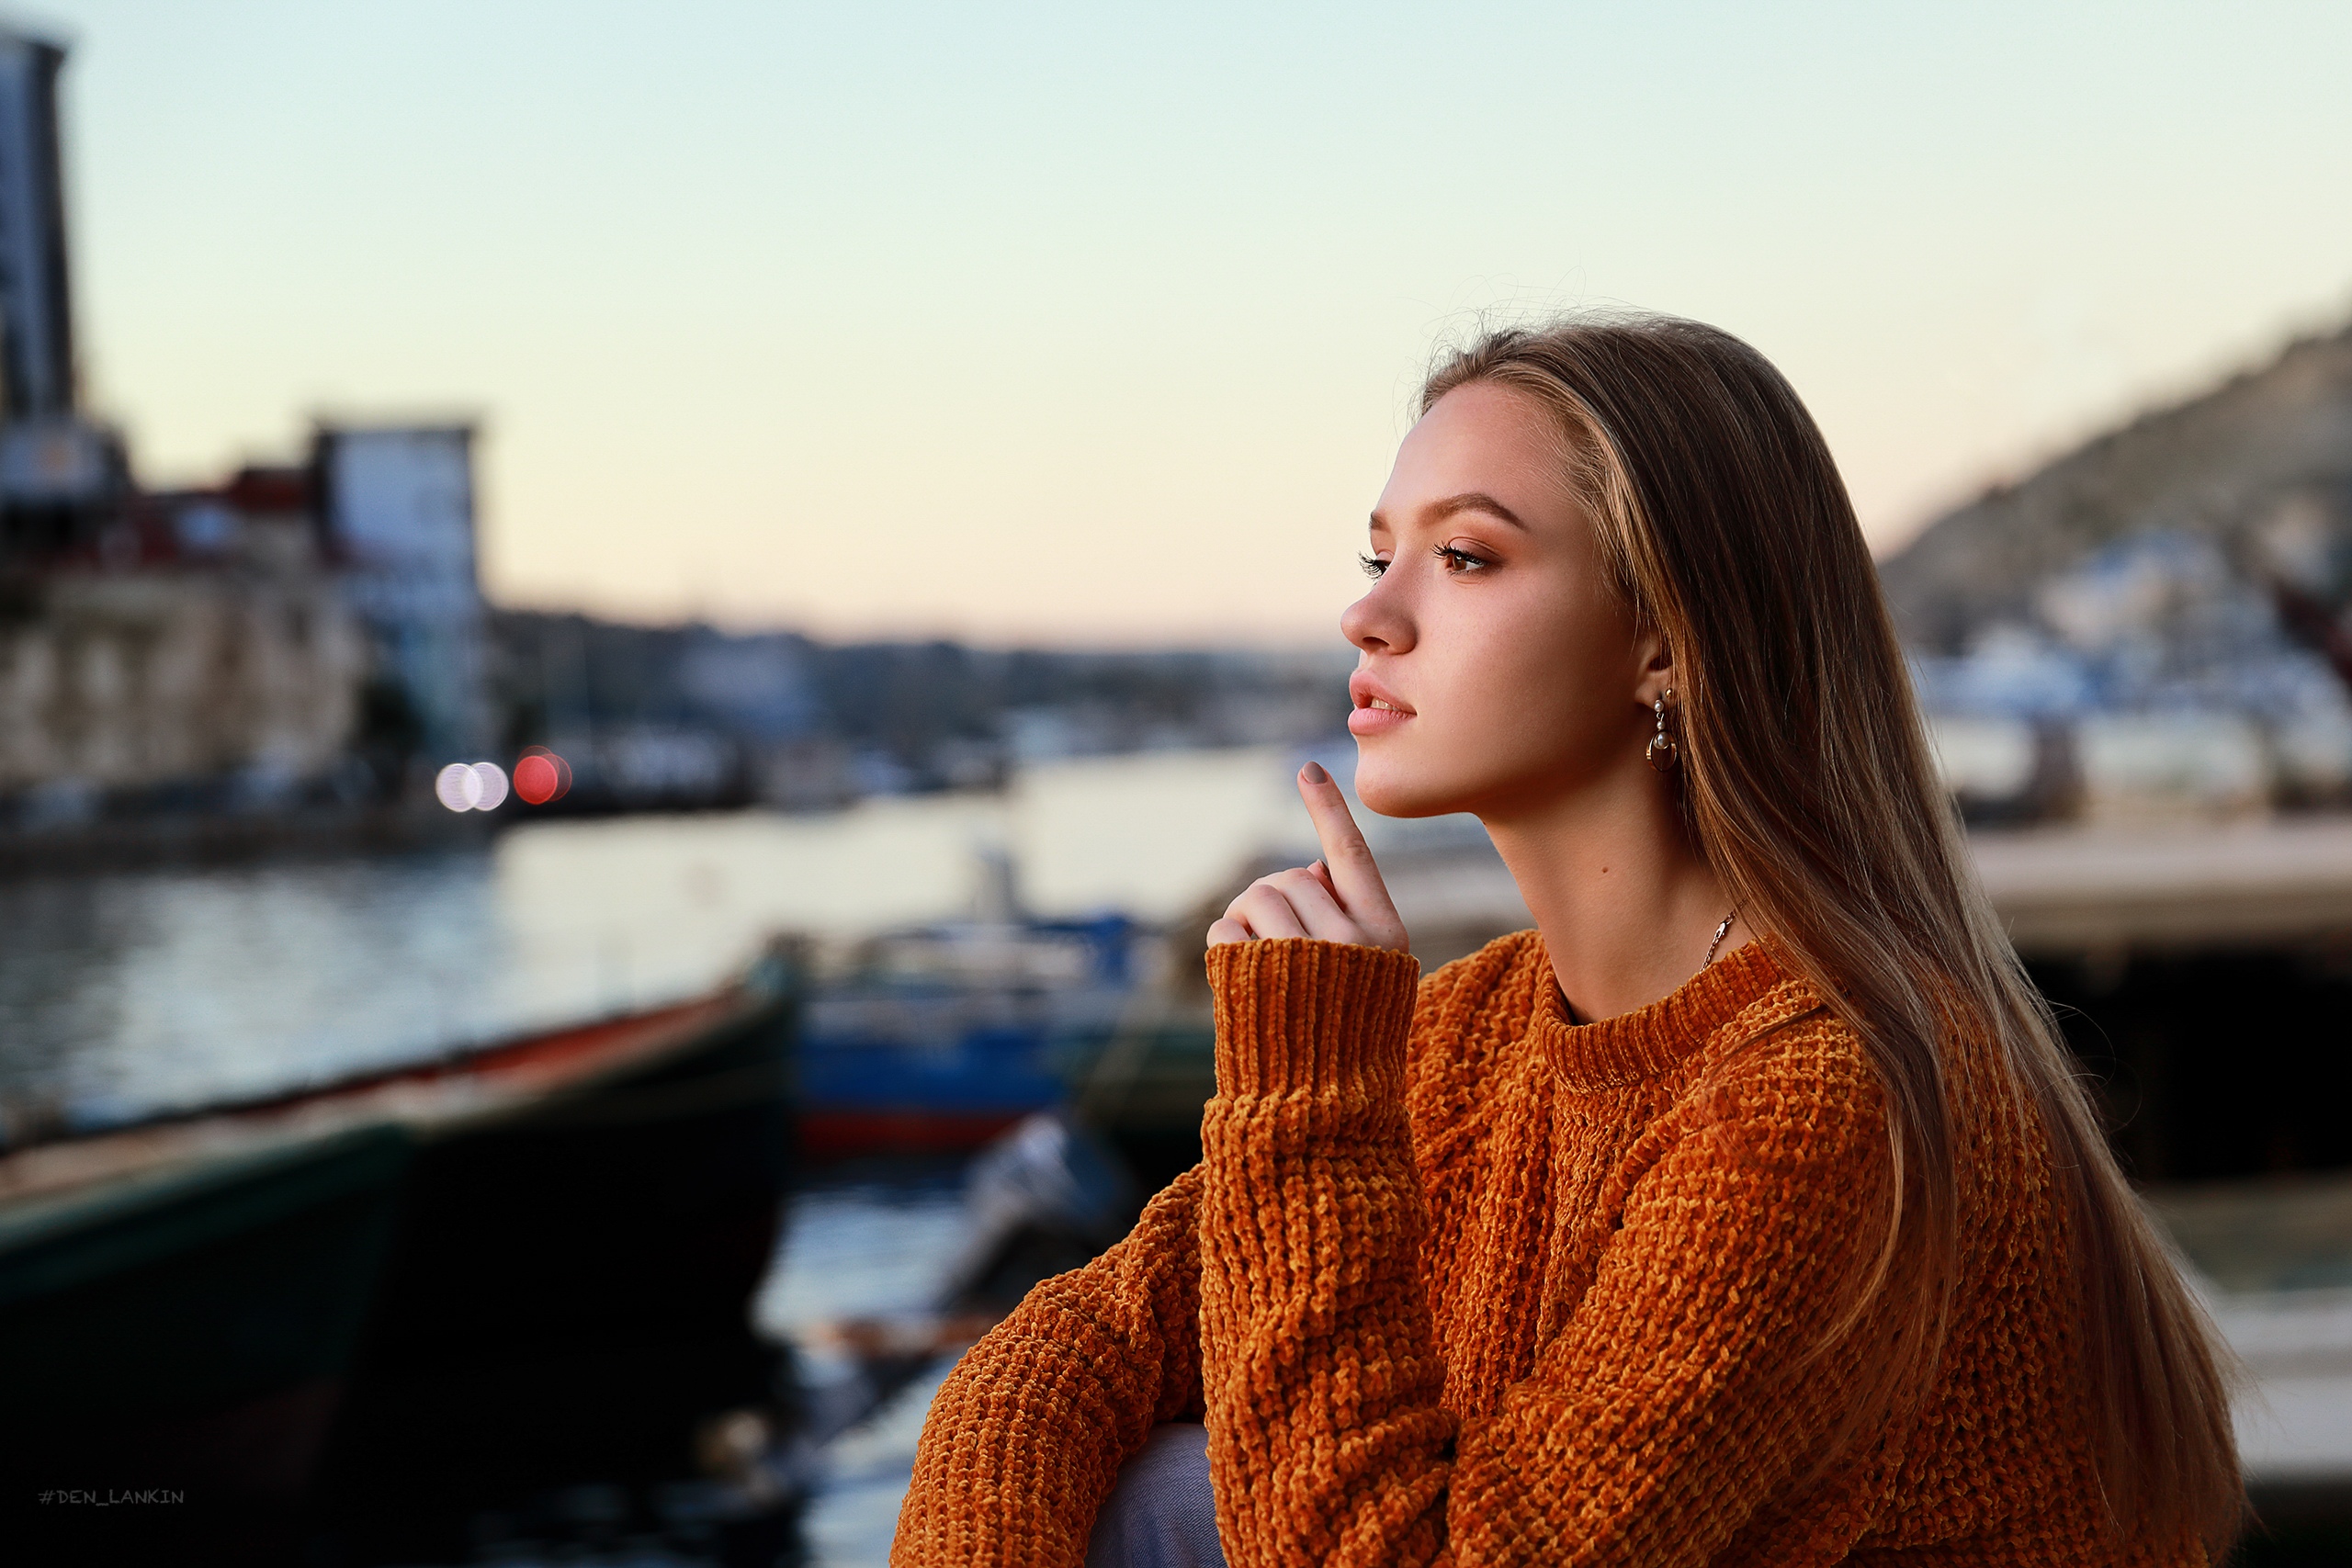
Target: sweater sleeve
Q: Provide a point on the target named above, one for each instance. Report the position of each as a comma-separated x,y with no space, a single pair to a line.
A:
1654,1427
1026,1436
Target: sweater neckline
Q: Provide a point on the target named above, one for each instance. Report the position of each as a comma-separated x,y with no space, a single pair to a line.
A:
1648,1040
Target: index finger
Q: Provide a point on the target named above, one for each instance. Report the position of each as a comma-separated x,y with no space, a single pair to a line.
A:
1355,876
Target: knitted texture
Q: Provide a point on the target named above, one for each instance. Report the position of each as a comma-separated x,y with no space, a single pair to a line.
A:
1459,1282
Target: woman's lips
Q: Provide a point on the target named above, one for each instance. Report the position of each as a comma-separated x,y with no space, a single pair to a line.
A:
1377,710
1376,716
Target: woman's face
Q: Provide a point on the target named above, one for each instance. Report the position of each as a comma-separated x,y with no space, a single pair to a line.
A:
1499,669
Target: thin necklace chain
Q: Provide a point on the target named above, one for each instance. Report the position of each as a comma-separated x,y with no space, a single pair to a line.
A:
1720,931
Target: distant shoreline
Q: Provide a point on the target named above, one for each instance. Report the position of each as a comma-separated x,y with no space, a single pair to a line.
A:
191,838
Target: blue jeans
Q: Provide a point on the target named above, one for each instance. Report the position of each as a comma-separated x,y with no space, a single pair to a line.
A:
1161,1513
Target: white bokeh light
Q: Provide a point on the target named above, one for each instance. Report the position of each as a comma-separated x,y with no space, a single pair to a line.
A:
470,786
456,787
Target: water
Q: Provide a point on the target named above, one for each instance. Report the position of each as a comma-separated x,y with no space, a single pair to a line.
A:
127,992
869,1247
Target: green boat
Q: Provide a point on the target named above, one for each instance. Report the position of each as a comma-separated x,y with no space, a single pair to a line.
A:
305,1319
186,1325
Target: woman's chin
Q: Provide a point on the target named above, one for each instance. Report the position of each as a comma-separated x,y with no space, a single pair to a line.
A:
1393,791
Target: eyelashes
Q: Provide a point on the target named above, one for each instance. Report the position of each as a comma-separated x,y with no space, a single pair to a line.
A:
1457,562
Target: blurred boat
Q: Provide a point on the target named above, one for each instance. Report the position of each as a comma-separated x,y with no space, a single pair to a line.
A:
183,1316
942,1039
567,1294
939,1039
394,1294
1045,1197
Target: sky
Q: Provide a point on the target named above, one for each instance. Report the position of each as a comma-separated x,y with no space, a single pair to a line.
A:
1099,324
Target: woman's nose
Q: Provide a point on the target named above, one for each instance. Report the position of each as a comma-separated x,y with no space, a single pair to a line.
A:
1378,620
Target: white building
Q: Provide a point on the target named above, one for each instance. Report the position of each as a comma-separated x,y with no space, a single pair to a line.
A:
397,502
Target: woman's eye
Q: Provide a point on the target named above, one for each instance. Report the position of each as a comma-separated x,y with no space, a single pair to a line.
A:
1373,565
1457,559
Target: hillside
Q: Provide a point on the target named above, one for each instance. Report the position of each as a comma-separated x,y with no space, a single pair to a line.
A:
2261,466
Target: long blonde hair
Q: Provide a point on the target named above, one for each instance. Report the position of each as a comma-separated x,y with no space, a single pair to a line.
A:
1810,788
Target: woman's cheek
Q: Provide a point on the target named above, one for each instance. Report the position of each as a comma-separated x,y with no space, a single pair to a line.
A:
1444,757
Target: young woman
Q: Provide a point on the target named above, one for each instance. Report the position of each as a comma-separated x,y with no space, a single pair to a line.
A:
1747,1210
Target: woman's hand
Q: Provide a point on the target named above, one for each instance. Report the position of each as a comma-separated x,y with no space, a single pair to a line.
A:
1339,899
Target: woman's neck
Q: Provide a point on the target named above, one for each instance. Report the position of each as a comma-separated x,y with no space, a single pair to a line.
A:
1626,907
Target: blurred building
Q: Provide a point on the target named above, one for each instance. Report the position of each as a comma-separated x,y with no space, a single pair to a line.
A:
210,647
218,689
692,714
396,506
62,477
204,657
168,650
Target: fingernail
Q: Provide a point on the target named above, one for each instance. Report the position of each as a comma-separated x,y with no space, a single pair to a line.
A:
1313,772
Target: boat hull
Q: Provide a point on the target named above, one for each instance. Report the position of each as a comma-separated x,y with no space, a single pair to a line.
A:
831,1134
188,1333
567,1294
931,1070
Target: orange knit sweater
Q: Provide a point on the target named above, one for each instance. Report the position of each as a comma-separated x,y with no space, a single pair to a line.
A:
1458,1281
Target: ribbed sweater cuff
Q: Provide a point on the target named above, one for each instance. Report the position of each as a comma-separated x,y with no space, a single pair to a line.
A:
1323,1016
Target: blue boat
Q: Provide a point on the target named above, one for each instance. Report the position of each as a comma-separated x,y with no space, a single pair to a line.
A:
937,1039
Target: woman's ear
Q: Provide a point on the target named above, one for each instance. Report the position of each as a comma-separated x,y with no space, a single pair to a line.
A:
1656,661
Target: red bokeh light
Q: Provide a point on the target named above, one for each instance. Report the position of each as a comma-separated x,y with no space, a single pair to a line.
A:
540,776
534,780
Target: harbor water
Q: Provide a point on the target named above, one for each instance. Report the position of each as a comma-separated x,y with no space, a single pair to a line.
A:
126,993
865,1247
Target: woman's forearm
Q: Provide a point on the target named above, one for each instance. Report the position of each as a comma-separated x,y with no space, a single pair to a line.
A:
1026,1436
1320,1369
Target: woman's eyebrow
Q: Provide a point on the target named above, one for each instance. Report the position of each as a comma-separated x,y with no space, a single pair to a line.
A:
1468,501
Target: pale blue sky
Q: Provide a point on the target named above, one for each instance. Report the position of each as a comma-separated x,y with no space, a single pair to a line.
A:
1095,322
